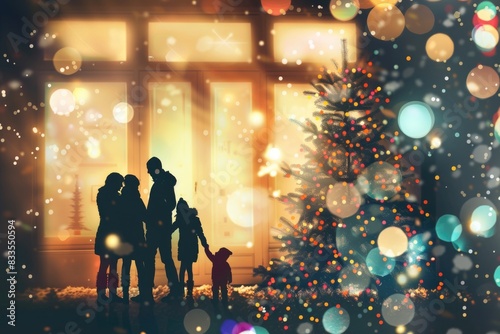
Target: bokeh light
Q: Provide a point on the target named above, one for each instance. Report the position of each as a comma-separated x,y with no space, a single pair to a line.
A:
378,264
365,4
344,10
123,112
462,262
392,241
62,102
496,276
486,10
354,279
112,241
67,61
481,154
483,219
305,328
276,7
448,228
81,95
239,207
482,82
336,320
416,119
343,199
385,21
419,19
479,214
398,310
485,36
228,326
196,321
380,180
439,47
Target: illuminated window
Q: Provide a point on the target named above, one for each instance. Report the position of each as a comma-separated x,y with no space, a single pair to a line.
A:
315,42
200,42
171,132
232,170
290,103
85,140
75,40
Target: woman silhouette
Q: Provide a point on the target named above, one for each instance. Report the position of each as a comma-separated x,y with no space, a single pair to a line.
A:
190,230
133,213
107,237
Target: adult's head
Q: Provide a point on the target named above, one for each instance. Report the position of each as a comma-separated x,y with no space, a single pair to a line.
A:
131,181
154,167
114,181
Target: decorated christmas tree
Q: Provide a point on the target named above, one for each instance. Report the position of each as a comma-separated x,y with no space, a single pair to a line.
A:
361,232
76,223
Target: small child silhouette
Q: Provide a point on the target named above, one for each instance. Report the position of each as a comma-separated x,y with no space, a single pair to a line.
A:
221,274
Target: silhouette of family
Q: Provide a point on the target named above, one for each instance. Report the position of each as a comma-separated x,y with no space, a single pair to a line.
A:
123,215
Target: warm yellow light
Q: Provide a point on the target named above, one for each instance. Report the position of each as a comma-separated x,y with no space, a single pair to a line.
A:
112,241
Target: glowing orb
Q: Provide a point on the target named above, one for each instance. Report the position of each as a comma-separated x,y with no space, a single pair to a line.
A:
416,119
483,219
67,61
112,241
81,95
379,264
496,276
261,330
276,7
480,214
305,328
417,246
380,180
123,112
481,154
392,241
354,280
365,4
343,199
448,228
486,10
398,310
462,262
485,36
93,148
196,321
239,207
62,102
256,118
344,10
482,82
336,320
243,328
385,21
439,47
228,326
419,19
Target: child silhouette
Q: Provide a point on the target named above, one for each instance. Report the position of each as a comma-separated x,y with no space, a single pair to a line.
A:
221,274
189,225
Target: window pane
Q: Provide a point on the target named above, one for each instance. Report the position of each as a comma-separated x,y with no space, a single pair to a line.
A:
315,42
92,40
85,140
289,103
232,170
199,42
171,133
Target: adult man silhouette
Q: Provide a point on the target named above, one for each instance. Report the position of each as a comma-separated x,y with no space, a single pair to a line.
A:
161,203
